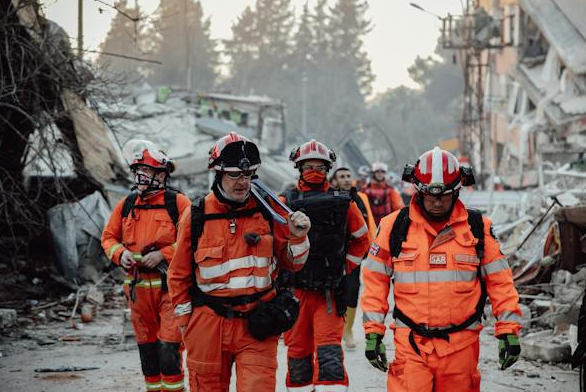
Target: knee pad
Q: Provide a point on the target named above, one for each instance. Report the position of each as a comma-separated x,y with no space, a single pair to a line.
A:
169,358
149,359
300,370
331,364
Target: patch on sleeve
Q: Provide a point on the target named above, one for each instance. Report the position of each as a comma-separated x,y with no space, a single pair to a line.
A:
374,249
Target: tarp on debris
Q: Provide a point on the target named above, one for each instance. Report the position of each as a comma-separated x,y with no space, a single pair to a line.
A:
76,229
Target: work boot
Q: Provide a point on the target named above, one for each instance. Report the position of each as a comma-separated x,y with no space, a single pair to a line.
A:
348,323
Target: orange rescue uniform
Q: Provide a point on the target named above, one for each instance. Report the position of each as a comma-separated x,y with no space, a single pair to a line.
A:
383,198
315,358
227,266
436,284
152,317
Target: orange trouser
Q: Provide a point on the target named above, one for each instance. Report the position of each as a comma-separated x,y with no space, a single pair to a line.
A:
316,331
158,337
456,372
214,343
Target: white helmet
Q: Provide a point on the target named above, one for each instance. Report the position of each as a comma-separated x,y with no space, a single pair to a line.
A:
379,166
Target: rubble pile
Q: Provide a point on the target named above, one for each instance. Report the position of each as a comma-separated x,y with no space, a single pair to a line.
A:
544,237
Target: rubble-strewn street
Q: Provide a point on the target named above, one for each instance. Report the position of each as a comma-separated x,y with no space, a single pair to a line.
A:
284,119
97,344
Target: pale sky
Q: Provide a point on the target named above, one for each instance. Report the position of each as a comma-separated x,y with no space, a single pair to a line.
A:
400,32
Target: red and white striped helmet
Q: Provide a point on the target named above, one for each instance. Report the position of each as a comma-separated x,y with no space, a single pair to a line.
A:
312,150
437,172
234,152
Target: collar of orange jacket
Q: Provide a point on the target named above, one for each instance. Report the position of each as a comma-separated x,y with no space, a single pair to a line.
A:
302,186
152,198
223,207
459,213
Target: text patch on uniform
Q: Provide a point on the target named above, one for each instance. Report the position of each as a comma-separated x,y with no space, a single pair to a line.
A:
437,259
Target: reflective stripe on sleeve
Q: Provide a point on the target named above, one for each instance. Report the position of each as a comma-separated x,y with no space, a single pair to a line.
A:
377,266
373,317
299,252
509,316
494,266
113,250
354,259
360,232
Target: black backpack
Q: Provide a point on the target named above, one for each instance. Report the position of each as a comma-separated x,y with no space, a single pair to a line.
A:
398,235
170,205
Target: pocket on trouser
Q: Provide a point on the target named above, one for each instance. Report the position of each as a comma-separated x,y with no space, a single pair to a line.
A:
256,372
396,377
203,342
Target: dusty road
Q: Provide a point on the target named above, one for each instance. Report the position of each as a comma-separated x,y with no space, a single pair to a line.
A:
98,344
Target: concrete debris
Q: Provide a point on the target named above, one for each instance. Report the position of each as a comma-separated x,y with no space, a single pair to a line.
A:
546,346
8,318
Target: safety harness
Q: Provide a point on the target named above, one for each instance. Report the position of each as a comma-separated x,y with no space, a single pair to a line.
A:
222,306
398,235
170,200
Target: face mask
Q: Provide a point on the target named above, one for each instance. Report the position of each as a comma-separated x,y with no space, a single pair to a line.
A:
314,176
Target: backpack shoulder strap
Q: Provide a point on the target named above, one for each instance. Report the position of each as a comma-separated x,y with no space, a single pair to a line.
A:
197,221
476,224
128,204
171,205
399,232
359,203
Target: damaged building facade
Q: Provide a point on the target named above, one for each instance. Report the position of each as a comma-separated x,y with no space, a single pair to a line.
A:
530,82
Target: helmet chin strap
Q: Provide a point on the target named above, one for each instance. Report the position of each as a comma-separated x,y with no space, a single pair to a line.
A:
153,185
437,218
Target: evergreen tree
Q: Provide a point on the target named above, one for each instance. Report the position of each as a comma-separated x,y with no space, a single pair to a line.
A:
124,38
184,46
260,48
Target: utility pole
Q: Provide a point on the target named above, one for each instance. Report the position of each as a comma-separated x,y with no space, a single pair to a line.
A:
80,29
304,104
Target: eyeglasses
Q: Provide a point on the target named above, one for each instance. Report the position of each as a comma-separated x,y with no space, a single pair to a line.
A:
321,168
237,174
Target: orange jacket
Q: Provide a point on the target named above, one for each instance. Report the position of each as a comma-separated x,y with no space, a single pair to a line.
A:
358,241
146,227
226,266
441,293
384,199
370,223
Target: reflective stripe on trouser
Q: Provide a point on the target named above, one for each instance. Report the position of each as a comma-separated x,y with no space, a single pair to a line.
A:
455,372
214,344
315,332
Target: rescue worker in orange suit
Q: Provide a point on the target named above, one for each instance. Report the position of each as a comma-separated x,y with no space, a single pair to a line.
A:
339,240
222,277
342,180
383,197
444,262
140,236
